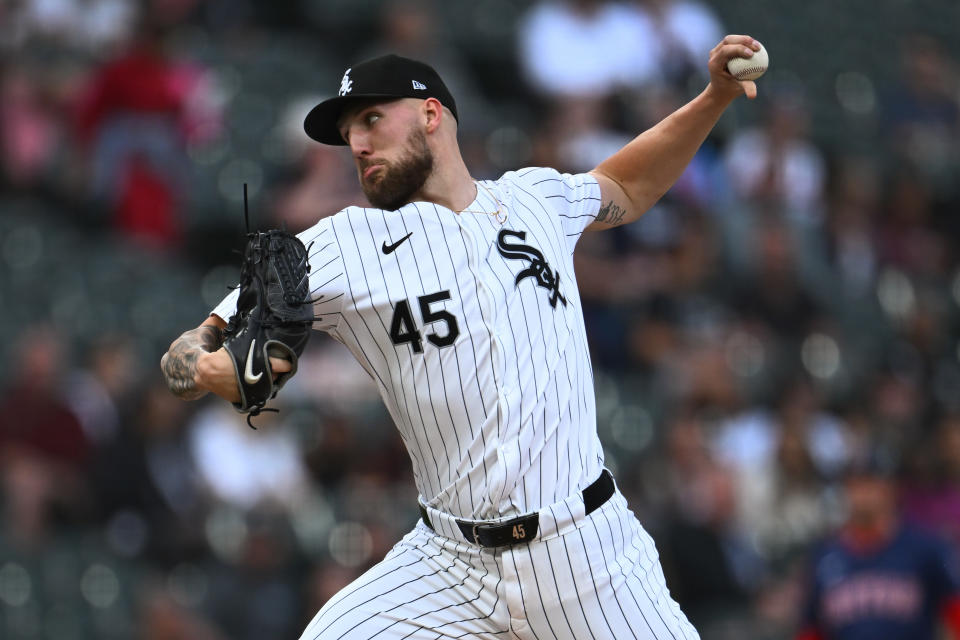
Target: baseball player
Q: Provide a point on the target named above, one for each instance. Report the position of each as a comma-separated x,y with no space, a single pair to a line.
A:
879,578
458,298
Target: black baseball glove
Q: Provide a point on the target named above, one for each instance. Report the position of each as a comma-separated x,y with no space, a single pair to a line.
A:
274,316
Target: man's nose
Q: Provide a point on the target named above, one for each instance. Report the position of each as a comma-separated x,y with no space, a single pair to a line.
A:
360,144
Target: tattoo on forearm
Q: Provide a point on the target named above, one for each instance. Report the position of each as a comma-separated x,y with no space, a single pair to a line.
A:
179,364
611,214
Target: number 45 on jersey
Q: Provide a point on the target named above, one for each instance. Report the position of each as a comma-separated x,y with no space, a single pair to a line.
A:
403,329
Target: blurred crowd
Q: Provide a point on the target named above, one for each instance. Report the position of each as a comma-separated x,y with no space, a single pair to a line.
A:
791,308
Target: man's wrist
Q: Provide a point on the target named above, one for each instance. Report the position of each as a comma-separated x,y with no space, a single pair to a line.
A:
719,97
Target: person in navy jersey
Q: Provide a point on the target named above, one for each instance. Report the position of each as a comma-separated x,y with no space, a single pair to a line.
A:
879,578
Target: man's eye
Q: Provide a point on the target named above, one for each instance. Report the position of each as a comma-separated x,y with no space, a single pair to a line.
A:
372,117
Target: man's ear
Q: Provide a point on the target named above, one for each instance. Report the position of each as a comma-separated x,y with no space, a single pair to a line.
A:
433,114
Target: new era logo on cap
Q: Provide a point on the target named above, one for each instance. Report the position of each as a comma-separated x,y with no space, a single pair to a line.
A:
387,77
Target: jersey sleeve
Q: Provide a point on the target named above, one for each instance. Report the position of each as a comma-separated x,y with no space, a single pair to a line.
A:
227,306
326,278
574,198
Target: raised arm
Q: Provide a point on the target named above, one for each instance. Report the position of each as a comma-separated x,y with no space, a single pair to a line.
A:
636,176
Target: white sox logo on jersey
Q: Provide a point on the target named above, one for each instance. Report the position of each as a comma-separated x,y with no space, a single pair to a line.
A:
346,84
538,269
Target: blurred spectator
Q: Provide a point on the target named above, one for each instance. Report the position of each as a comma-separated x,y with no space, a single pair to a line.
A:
709,568
689,29
88,26
771,291
161,618
43,449
787,500
331,458
851,226
578,55
135,116
931,495
98,393
256,594
775,169
30,127
411,28
907,237
782,461
922,113
588,48
897,406
653,341
148,486
319,186
316,182
878,578
584,133
244,467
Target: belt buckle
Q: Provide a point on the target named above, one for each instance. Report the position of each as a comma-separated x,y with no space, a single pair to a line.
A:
475,530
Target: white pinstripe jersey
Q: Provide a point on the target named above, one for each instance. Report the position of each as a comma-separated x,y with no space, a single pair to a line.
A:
474,335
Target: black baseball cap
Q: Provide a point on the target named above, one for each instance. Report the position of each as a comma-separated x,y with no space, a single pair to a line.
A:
389,76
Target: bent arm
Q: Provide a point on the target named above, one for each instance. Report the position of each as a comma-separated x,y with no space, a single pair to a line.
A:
181,363
197,364
636,176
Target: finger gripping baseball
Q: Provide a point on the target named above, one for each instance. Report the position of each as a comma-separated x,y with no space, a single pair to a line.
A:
273,318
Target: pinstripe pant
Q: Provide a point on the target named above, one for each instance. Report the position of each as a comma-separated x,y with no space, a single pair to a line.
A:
593,577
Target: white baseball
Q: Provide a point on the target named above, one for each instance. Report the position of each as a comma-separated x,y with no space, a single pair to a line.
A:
749,68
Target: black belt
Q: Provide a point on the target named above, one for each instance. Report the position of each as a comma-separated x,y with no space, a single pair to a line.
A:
524,528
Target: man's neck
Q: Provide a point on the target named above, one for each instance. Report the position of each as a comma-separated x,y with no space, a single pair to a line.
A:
450,185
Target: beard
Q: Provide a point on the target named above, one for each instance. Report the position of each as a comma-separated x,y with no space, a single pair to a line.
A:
398,181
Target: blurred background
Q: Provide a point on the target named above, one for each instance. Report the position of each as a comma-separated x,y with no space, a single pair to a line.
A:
790,307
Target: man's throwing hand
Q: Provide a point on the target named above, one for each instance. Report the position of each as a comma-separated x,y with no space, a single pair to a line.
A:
721,80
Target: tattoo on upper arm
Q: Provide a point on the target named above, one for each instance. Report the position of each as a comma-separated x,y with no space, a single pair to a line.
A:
179,364
611,214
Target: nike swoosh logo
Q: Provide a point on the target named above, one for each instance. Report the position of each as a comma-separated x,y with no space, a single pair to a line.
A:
390,248
248,371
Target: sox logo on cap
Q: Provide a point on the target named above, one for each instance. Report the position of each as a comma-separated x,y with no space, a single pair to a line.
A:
346,84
